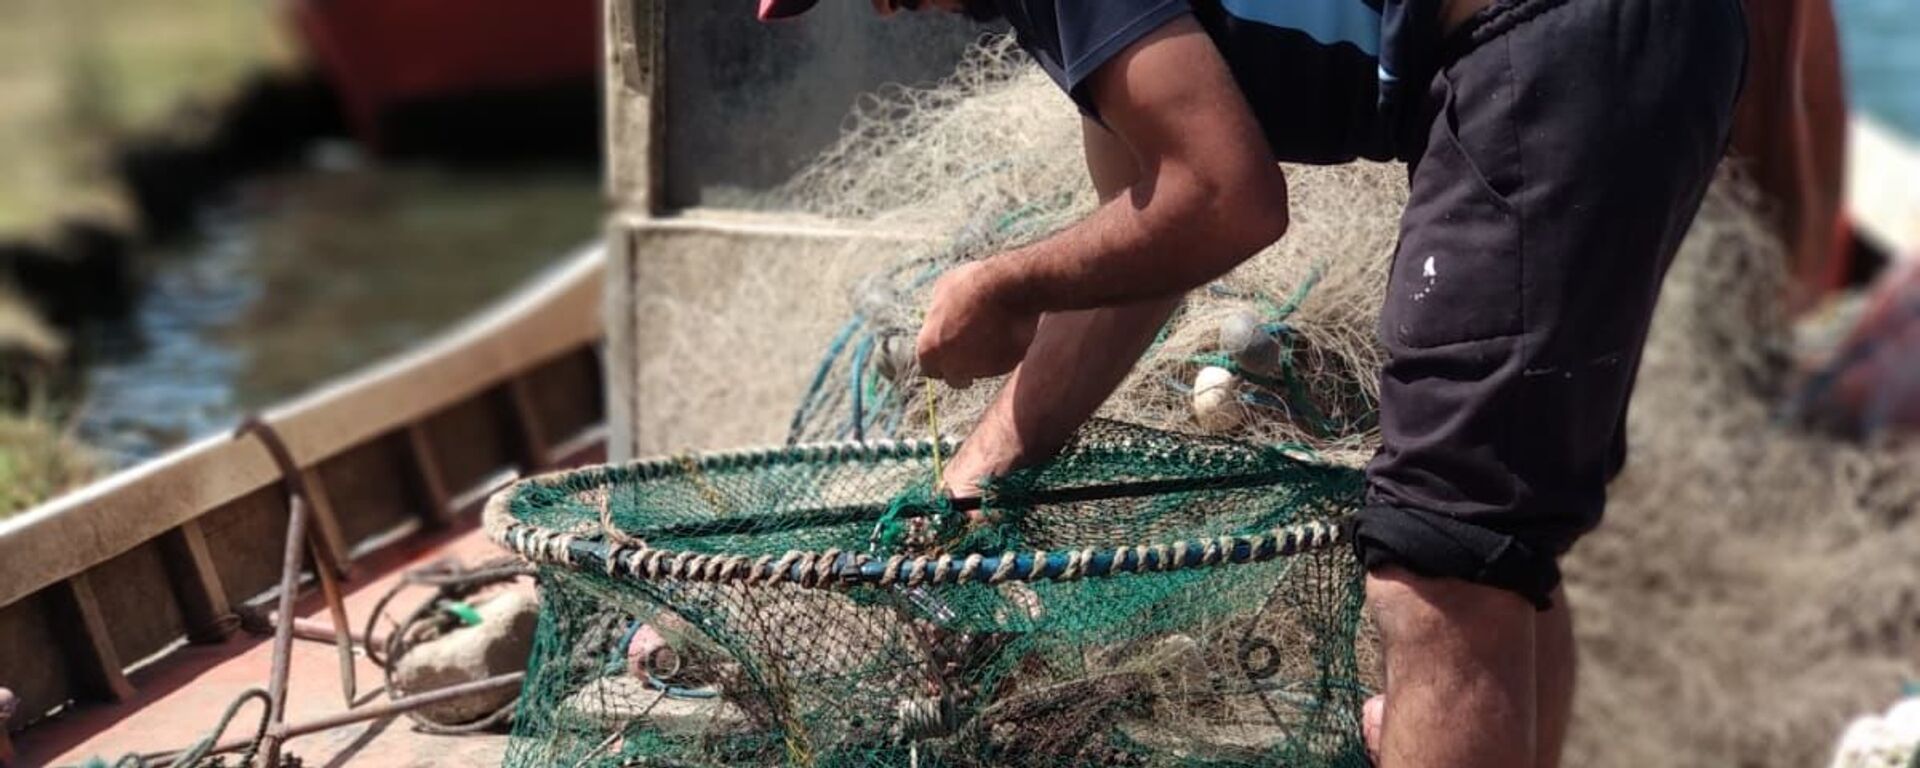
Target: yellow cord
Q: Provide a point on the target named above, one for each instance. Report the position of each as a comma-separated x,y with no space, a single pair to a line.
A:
933,428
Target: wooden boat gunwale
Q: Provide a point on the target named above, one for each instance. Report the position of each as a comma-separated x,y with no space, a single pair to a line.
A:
518,386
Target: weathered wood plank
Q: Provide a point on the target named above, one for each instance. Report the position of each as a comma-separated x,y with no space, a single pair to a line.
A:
90,653
45,545
566,393
136,597
528,427
435,497
245,537
372,487
31,662
196,584
473,439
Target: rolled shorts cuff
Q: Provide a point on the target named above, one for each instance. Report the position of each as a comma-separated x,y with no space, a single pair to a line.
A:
1442,547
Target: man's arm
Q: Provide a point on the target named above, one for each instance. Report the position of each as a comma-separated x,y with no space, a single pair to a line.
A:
1076,360
1207,196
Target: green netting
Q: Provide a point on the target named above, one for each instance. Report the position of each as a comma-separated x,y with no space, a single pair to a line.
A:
1147,599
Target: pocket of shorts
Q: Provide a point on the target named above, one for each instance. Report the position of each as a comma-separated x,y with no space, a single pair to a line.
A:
1457,270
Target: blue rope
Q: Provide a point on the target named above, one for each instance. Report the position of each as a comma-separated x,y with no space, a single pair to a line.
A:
861,352
820,375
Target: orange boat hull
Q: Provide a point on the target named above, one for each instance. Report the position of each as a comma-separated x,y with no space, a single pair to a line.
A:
382,53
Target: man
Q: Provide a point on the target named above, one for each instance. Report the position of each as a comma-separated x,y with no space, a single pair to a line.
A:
1558,150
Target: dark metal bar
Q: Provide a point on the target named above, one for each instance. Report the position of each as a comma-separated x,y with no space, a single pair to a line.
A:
279,733
404,705
337,610
334,553
283,633
300,483
329,554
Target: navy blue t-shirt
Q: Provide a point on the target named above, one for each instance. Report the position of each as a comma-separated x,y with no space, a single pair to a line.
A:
1327,79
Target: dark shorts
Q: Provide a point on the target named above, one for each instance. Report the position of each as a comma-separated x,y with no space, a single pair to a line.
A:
1571,142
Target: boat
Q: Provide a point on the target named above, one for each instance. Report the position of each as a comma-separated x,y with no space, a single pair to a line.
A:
117,602
381,56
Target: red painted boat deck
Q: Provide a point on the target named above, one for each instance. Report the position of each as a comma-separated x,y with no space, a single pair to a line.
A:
182,695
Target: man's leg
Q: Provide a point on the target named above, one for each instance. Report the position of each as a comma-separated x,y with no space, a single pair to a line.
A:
1555,667
1570,146
1461,687
1554,673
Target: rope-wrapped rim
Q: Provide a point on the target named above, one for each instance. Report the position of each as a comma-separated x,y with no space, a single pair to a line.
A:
839,568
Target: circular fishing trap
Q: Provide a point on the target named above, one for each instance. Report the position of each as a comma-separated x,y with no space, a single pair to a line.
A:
1145,599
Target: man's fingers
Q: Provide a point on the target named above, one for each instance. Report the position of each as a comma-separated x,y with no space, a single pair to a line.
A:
934,364
924,351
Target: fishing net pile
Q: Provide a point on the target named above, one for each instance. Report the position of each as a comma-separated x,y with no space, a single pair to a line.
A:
993,158
1146,599
1755,585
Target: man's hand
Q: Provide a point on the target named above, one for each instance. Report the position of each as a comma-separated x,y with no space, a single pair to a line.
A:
970,333
1189,189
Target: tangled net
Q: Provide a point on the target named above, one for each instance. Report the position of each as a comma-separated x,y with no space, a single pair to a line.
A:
1146,599
993,157
1755,585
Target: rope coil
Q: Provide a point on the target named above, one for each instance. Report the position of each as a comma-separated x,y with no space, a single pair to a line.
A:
835,568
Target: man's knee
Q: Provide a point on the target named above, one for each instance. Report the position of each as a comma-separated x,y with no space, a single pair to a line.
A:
1417,610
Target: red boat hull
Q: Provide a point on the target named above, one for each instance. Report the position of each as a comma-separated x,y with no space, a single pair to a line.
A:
381,53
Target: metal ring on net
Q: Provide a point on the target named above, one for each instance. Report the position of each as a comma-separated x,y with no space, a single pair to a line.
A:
1268,655
608,555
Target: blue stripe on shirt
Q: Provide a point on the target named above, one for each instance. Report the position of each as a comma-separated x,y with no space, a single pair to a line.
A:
1327,21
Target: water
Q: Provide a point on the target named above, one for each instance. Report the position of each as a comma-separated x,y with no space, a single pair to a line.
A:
309,276
1880,43
164,377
